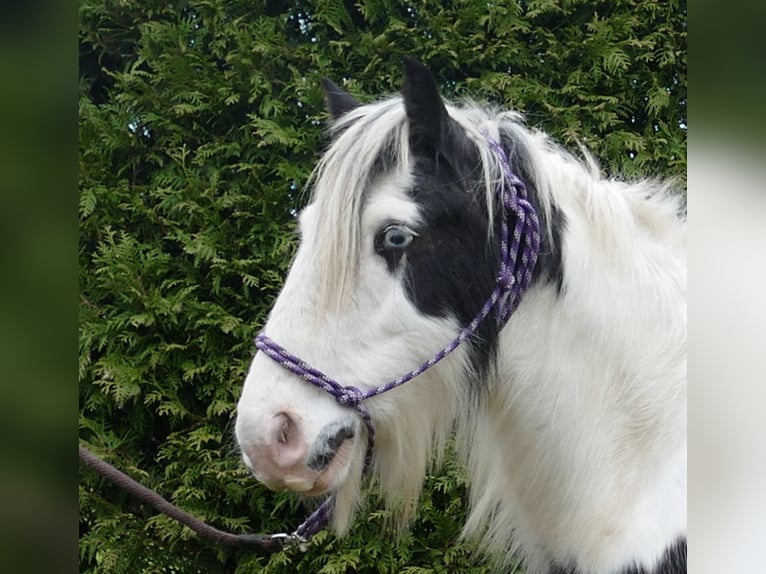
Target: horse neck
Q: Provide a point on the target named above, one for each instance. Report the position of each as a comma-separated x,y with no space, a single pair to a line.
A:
613,333
589,384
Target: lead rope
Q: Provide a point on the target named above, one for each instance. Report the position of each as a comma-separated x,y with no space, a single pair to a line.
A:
517,261
264,543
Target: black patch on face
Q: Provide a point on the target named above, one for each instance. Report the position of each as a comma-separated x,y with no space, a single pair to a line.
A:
672,562
450,269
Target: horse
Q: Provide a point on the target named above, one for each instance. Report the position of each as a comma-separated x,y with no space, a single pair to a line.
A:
568,412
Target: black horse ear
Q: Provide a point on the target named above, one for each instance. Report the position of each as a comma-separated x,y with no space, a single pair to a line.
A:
427,115
339,101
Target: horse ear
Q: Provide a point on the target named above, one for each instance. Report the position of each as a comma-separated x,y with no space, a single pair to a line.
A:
339,101
427,115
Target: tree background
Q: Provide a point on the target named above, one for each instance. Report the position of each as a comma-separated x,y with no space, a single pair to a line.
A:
199,123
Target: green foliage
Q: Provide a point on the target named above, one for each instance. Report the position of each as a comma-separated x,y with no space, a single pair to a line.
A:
199,123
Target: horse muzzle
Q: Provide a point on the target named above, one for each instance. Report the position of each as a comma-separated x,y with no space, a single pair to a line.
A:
281,455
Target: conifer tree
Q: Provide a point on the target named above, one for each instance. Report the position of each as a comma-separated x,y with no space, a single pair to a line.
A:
200,121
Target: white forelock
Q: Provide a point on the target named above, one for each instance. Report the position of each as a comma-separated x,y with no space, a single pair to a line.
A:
373,139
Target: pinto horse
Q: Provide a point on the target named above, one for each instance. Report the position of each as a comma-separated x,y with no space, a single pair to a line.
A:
539,309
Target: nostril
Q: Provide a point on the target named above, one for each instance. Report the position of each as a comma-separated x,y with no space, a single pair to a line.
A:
343,433
285,428
327,444
275,447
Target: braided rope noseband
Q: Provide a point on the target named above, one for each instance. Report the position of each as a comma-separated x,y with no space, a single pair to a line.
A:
517,260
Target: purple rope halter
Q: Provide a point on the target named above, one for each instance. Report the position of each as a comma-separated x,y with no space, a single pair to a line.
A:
517,260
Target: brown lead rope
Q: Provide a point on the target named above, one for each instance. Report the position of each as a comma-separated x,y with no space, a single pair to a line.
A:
267,544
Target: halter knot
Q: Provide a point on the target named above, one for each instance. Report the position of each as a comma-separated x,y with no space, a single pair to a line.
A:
506,280
350,397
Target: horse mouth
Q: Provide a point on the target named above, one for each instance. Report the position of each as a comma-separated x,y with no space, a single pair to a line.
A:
334,473
308,481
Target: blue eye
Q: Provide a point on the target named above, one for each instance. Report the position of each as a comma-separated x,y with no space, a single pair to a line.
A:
397,237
